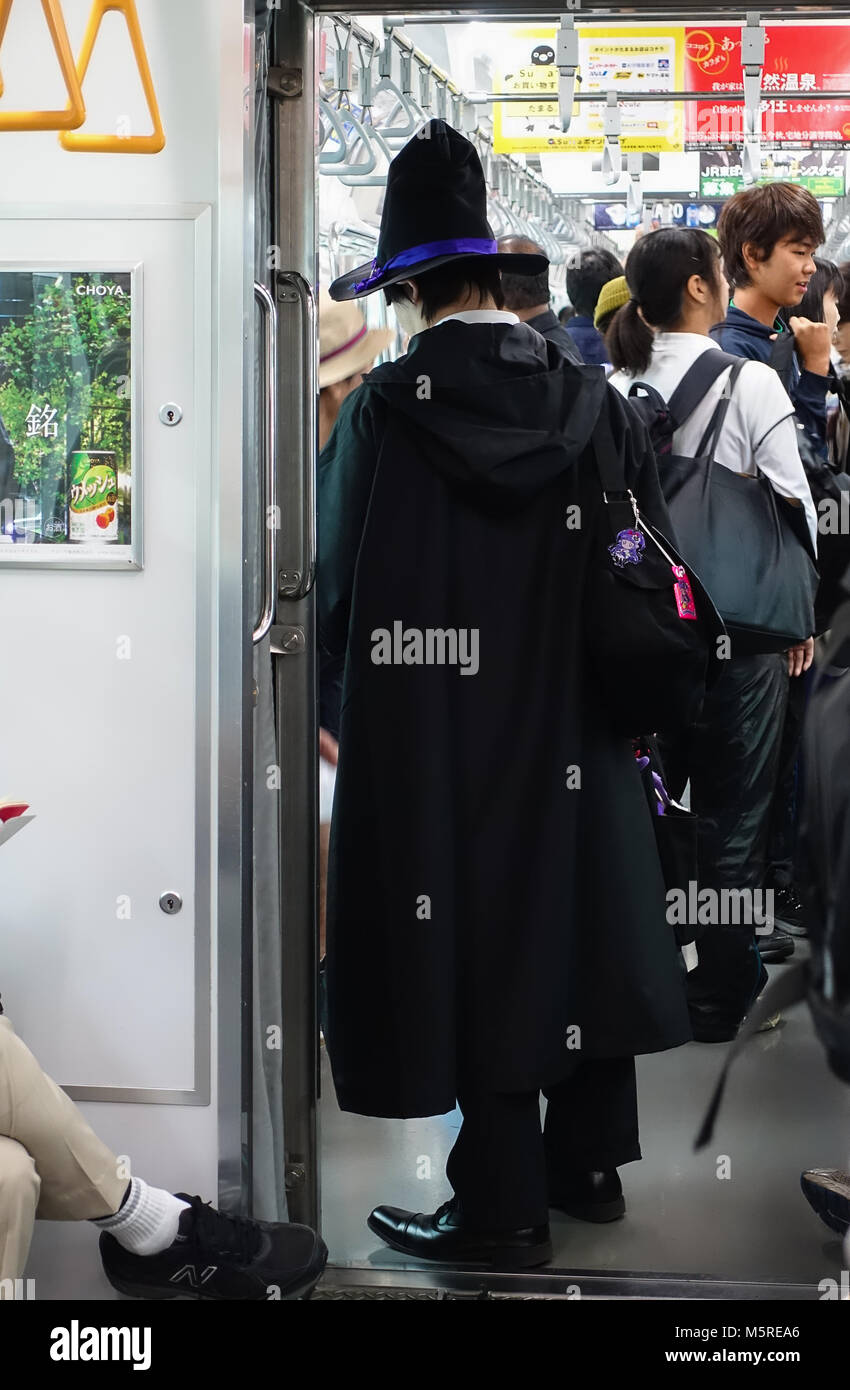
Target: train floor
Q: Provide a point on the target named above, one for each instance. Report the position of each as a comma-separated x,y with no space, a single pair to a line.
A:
733,1212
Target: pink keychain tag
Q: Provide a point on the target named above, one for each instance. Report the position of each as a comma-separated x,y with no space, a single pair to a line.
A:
684,597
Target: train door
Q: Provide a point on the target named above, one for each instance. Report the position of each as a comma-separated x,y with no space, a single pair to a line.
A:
331,1167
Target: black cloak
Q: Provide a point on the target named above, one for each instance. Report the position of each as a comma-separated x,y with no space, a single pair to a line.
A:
495,899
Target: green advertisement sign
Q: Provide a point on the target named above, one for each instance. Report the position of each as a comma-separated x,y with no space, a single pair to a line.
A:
820,171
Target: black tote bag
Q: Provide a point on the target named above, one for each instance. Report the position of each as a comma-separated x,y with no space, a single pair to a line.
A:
750,547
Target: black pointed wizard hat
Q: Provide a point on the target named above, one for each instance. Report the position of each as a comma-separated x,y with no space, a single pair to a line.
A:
435,210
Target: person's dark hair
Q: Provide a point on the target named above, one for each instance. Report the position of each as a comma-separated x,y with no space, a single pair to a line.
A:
658,268
446,284
844,298
565,314
763,215
525,291
827,276
606,320
585,280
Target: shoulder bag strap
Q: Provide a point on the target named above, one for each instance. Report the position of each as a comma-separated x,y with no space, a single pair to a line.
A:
610,467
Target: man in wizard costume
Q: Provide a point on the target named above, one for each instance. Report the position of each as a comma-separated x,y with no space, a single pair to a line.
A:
496,911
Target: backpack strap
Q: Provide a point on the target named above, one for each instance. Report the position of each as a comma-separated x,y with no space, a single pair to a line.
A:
708,443
696,381
782,358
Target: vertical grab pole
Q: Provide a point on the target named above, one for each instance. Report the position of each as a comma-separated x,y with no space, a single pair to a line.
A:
267,491
292,86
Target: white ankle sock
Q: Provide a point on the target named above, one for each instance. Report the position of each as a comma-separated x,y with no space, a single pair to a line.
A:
147,1222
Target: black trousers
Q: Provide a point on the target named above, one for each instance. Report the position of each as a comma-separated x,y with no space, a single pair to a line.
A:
782,844
503,1168
732,759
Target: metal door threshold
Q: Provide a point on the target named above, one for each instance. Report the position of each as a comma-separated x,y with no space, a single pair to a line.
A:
357,1281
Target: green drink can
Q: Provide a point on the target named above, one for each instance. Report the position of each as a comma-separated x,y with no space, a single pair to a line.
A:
92,496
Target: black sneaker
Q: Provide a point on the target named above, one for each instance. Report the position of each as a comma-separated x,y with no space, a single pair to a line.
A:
220,1257
789,910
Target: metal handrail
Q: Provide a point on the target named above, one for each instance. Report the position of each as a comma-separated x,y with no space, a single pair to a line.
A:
267,305
309,350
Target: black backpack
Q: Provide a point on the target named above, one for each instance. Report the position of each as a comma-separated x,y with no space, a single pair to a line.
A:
764,590
662,418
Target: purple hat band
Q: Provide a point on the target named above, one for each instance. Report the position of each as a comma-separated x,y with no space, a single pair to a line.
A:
473,246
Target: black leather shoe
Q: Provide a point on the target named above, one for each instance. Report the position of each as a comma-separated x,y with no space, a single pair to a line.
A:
776,946
591,1196
445,1237
827,1191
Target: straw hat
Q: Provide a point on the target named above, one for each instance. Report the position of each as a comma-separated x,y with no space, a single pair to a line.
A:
346,345
613,295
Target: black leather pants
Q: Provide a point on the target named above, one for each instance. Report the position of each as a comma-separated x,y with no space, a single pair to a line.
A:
732,758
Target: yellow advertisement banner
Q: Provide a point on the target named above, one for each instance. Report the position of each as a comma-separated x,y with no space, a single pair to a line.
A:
622,58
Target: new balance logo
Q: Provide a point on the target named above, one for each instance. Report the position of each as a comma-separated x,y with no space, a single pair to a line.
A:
188,1274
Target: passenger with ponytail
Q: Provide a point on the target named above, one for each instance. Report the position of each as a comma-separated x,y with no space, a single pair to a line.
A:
731,758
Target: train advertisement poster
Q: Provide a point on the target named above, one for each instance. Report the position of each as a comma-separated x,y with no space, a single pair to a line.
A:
800,63
67,485
820,171
616,217
609,59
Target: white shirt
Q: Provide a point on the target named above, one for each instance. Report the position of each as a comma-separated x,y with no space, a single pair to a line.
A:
759,431
479,316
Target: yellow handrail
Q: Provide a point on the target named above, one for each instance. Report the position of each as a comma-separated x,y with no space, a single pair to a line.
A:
117,144
75,113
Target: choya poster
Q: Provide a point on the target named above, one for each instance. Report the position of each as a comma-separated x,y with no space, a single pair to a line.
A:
66,485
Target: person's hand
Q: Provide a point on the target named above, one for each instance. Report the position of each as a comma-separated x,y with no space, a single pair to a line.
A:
328,747
800,657
812,342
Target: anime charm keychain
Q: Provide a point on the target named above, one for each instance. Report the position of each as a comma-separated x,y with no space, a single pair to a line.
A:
627,548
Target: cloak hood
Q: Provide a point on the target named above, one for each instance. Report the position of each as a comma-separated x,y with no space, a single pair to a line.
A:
495,407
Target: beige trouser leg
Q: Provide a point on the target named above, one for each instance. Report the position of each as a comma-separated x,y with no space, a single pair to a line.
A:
52,1164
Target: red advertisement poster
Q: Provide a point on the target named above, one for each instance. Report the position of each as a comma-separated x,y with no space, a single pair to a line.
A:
799,60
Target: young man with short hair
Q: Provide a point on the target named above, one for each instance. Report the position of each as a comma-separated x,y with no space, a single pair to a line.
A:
768,235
